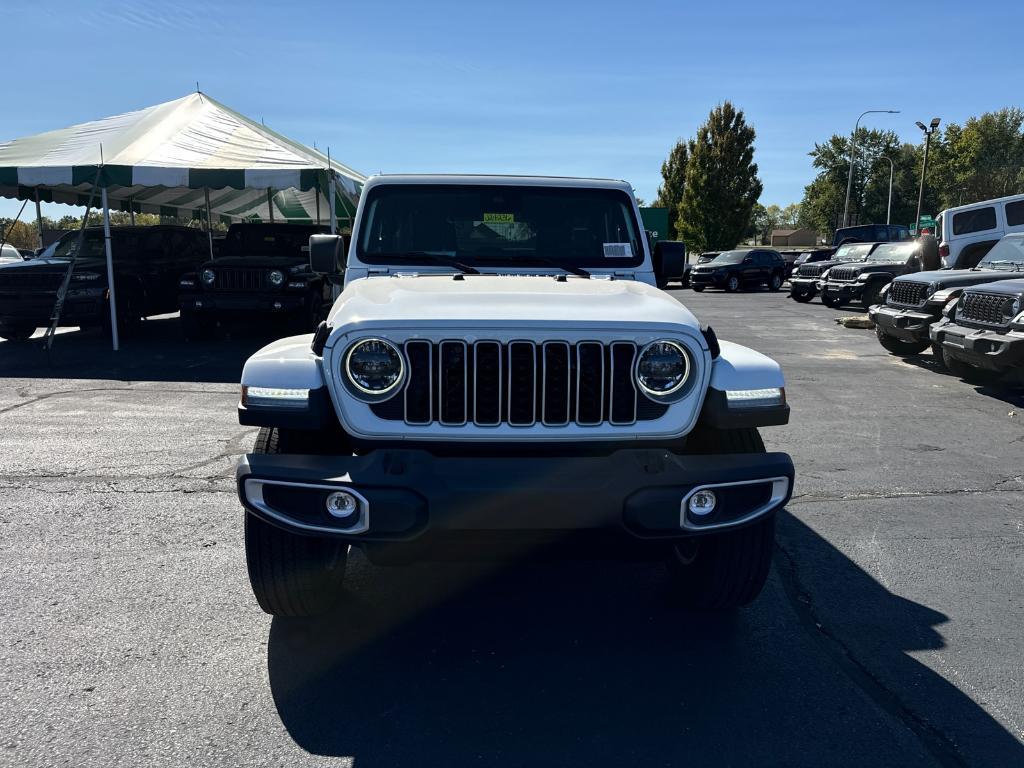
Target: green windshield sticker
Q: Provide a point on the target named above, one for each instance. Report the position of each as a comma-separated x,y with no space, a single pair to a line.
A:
499,218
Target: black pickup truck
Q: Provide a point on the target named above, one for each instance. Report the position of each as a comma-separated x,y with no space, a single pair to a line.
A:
912,303
147,264
261,272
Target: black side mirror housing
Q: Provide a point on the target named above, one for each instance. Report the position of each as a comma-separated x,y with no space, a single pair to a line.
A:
327,255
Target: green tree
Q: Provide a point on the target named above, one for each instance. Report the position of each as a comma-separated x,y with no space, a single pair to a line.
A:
980,160
673,174
721,183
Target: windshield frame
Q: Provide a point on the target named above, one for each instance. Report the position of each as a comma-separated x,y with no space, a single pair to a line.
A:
1010,241
529,261
910,249
850,246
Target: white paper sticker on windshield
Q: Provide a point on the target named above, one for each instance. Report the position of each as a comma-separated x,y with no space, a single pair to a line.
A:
618,250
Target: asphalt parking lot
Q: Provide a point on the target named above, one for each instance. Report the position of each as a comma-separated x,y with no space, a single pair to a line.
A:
891,631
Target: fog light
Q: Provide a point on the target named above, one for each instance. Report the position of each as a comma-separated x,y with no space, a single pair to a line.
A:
342,504
702,503
277,305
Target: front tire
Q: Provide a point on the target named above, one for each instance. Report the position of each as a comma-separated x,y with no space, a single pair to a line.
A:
720,572
17,332
775,284
802,296
696,288
872,295
732,284
830,303
291,575
195,327
898,346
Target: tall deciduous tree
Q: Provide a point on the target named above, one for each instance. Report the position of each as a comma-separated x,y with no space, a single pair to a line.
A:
722,186
673,174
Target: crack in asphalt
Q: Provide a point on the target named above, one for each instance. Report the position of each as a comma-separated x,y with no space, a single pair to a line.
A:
808,498
934,741
132,387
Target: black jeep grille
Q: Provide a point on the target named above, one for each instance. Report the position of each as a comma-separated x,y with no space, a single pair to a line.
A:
239,279
11,280
520,383
843,274
813,270
906,293
985,308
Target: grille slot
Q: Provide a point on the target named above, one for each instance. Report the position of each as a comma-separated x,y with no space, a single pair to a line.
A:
812,270
906,293
984,308
844,274
238,279
519,383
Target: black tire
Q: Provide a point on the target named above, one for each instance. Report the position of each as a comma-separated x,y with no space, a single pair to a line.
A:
830,303
697,288
721,572
291,575
310,317
959,368
732,284
802,296
196,327
871,296
898,346
775,283
17,332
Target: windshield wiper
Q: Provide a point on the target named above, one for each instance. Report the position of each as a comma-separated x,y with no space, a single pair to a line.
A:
1017,266
571,269
434,257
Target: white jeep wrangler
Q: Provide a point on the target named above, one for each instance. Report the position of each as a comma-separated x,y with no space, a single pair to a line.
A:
500,373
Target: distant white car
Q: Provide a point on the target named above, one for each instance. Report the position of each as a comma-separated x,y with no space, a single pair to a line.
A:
500,369
10,253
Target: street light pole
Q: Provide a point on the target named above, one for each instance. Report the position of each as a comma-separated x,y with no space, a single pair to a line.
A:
924,168
892,170
853,156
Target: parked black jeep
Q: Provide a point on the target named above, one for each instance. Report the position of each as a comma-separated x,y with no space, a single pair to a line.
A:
805,282
863,282
147,264
741,268
914,302
262,271
985,331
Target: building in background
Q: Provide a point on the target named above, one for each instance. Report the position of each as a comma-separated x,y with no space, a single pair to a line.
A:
787,238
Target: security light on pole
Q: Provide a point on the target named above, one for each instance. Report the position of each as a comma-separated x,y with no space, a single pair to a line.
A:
932,127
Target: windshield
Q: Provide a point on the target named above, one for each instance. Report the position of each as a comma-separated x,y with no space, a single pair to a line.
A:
288,241
856,252
731,257
893,252
65,247
1008,253
500,225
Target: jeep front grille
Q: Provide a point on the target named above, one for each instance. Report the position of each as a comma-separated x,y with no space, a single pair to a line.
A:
812,270
985,308
843,274
906,293
519,384
239,279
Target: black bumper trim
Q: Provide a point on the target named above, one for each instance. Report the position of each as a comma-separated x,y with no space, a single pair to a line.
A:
636,492
717,413
993,351
903,324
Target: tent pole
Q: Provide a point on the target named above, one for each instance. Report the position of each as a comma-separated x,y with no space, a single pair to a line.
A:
270,203
330,200
131,210
39,219
316,196
110,268
209,224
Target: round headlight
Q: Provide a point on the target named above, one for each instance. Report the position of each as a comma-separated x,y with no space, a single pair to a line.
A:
662,368
208,276
1012,307
374,366
276,277
931,289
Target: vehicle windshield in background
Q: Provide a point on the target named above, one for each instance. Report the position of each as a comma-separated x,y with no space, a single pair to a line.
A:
893,252
499,225
65,247
1008,253
857,252
731,257
284,240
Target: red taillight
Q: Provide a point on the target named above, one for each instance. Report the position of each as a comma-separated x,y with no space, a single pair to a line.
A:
944,250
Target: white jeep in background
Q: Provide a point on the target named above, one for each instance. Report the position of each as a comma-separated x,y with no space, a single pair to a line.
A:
500,375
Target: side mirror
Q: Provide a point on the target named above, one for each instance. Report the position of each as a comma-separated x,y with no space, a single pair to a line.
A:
748,260
327,254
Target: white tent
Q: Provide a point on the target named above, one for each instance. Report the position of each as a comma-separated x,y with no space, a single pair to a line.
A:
192,157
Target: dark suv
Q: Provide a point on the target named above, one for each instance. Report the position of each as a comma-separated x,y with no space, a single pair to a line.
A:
262,271
741,268
805,282
914,302
863,282
147,264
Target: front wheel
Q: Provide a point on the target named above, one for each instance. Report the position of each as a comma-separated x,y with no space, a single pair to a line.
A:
872,295
291,575
732,284
802,296
898,346
16,332
775,283
723,571
195,327
697,288
830,302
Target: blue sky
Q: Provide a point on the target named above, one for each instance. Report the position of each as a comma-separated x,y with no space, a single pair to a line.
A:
567,88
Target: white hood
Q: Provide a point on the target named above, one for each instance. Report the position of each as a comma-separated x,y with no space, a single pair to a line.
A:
489,300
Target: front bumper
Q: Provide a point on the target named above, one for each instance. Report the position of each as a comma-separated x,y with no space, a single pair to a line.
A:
707,279
37,308
242,303
903,324
803,285
992,350
404,494
842,292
